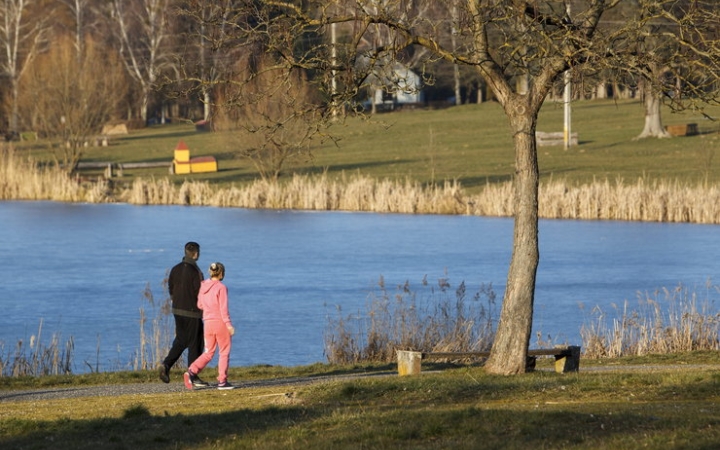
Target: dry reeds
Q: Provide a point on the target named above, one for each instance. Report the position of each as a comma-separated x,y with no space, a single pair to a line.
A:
678,323
645,200
155,341
38,359
354,193
22,179
401,321
649,201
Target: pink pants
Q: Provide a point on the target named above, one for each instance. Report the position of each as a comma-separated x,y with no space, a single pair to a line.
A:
216,335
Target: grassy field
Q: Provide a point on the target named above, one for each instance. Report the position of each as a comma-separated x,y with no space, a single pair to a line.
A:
664,402
470,144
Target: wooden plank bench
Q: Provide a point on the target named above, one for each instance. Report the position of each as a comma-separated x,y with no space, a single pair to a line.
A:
544,138
688,129
567,358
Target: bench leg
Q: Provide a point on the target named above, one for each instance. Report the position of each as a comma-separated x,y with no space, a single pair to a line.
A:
408,362
568,361
530,362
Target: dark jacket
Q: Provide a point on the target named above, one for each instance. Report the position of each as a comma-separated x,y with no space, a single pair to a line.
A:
184,285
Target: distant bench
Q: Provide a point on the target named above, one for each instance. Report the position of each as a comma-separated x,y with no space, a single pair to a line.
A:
119,167
567,358
544,138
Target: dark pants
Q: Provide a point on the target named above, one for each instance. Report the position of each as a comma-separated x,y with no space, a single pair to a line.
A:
188,335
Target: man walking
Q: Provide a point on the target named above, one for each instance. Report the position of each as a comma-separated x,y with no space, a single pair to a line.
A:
184,285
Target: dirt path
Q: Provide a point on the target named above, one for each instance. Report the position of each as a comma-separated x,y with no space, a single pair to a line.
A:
178,386
160,388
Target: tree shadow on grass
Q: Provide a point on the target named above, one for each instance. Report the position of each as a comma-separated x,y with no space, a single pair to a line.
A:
412,412
162,135
138,429
350,168
415,425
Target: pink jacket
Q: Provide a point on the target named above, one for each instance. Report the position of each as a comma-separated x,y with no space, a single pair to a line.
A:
213,300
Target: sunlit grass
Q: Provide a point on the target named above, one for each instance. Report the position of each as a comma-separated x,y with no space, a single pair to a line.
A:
470,144
453,161
456,408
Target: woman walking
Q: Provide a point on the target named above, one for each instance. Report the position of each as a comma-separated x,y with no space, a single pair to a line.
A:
213,301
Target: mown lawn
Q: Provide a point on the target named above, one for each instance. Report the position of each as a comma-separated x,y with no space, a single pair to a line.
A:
470,143
670,401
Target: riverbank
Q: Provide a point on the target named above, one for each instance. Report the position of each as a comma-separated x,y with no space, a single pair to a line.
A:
453,161
643,200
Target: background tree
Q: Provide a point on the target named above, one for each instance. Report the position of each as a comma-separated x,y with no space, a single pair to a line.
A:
274,117
78,96
208,55
663,47
23,26
143,33
269,107
79,10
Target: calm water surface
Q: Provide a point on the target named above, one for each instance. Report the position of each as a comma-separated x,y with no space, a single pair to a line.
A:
82,270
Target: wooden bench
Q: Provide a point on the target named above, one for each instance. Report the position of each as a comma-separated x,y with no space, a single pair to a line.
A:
688,129
544,138
567,358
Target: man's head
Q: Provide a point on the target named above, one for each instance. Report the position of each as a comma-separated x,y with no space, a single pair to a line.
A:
192,250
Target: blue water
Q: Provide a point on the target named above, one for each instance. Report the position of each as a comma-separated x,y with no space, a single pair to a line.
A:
81,269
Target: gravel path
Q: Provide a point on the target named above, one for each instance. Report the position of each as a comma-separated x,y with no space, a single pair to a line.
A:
159,388
178,386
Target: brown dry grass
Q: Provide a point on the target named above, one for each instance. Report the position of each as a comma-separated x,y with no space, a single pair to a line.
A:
643,200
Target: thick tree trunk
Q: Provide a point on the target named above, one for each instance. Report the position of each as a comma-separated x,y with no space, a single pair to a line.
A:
653,118
509,350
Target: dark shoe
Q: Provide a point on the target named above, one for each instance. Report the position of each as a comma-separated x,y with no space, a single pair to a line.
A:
164,375
225,386
187,378
197,382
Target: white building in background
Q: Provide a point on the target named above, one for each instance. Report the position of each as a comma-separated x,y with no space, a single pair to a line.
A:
394,86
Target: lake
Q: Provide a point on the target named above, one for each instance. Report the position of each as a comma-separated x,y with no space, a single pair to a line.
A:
82,269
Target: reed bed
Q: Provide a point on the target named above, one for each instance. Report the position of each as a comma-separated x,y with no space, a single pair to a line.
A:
21,178
431,318
668,321
156,331
37,358
643,200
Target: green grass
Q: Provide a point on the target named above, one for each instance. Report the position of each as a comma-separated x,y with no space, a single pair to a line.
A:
660,406
470,143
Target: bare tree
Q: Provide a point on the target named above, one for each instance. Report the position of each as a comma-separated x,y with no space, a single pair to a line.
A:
519,48
143,33
23,25
273,118
265,106
84,19
78,96
663,46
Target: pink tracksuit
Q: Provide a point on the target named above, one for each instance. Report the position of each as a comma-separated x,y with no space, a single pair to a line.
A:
213,301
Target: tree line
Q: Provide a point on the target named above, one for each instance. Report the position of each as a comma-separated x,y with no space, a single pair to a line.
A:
167,58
